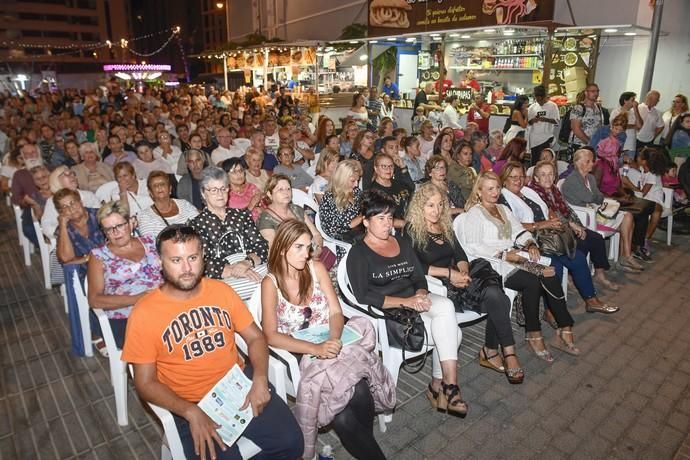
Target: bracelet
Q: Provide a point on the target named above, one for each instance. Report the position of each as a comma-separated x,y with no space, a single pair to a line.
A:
251,261
448,272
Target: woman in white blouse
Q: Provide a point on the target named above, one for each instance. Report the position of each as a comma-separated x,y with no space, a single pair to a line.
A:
165,209
130,189
491,230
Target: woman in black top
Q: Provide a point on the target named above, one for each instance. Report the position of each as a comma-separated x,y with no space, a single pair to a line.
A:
384,272
429,229
396,189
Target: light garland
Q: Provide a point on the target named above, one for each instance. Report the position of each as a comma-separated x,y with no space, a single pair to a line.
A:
136,68
75,48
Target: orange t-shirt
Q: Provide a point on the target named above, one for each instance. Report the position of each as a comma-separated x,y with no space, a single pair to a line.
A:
192,342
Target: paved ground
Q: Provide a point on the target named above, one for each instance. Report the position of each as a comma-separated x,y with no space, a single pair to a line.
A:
626,397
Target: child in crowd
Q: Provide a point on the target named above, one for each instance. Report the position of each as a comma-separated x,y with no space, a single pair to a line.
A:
417,120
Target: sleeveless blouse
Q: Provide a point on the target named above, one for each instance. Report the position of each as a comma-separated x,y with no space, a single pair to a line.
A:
291,317
122,276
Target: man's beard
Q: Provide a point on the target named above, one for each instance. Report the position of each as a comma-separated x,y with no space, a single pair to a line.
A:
186,284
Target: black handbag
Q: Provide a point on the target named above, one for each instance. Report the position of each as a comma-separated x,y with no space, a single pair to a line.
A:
469,298
405,330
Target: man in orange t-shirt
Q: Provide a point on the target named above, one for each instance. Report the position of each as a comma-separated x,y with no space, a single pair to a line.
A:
181,340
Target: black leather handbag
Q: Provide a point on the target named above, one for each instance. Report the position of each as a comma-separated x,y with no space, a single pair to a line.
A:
405,330
469,298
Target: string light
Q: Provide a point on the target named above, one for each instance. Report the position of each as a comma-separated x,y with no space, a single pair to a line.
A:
90,47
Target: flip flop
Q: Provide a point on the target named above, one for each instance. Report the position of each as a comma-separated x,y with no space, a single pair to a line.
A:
103,350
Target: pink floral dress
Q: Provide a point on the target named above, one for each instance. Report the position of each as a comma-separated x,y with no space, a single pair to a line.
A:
293,317
123,277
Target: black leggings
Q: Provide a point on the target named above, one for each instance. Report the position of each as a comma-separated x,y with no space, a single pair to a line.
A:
497,307
354,425
532,290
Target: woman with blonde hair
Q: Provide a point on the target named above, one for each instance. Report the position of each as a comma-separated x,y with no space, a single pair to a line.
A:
63,177
254,158
341,209
429,228
325,167
124,269
492,230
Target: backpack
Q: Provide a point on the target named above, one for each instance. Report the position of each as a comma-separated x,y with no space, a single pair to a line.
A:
565,131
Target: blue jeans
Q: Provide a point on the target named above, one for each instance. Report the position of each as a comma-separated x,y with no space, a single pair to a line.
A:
28,227
275,431
579,270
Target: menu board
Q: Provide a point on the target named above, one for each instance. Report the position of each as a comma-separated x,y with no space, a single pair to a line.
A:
276,58
573,60
390,17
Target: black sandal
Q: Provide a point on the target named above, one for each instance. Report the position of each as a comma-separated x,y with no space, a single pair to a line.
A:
448,403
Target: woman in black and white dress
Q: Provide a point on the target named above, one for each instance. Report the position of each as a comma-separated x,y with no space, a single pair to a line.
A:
234,250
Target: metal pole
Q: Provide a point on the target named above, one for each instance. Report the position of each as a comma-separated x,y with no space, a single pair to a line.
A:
225,70
651,54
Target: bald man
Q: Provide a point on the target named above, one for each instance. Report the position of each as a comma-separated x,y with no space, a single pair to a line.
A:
652,121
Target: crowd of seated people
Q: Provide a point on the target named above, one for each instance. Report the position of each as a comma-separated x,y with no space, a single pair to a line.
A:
106,182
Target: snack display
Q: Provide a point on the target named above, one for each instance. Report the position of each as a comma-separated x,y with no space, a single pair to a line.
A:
389,13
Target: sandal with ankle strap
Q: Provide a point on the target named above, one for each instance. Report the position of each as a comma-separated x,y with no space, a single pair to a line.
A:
484,361
541,354
515,375
561,344
447,401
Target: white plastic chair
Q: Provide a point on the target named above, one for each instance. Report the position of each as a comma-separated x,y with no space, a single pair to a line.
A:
118,369
173,450
330,242
242,143
668,213
83,310
104,193
302,199
24,243
44,249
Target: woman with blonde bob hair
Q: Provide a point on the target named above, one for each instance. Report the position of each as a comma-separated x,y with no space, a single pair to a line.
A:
491,230
297,294
341,209
429,228
325,167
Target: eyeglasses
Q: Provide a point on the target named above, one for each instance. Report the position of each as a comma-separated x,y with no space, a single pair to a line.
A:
516,178
307,316
115,228
68,173
236,171
70,205
440,167
385,166
216,190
